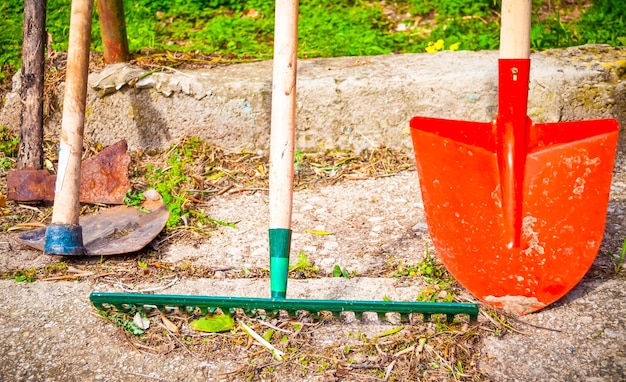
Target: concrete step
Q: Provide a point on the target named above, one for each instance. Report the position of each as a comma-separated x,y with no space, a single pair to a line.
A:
347,103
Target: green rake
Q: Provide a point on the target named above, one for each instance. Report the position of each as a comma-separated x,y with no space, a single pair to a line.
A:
272,306
281,198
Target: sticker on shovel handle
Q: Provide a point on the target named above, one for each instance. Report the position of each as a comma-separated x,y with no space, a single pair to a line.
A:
64,157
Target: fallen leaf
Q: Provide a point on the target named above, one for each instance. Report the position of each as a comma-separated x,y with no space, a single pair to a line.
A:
318,232
342,373
261,170
215,176
268,335
48,165
214,323
3,201
141,321
24,226
169,325
391,331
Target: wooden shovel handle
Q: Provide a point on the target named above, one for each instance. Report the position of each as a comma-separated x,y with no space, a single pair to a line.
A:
283,120
515,29
66,201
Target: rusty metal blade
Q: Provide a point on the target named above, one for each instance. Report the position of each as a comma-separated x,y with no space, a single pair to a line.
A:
104,179
30,185
113,231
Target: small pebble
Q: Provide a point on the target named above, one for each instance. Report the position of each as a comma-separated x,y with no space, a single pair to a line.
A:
586,320
370,317
219,275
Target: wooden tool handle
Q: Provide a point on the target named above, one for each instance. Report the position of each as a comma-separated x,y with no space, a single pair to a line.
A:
283,120
31,93
66,201
515,29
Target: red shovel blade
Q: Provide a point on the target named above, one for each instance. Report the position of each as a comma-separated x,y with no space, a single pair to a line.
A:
565,193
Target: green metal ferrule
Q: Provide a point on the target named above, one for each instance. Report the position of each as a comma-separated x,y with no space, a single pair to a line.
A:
280,245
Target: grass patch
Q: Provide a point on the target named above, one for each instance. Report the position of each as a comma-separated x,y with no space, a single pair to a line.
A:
180,180
9,143
441,286
244,29
31,274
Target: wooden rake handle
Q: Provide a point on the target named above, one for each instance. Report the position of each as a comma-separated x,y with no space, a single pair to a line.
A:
283,119
282,142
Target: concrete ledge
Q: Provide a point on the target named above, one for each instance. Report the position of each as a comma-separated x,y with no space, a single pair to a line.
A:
351,102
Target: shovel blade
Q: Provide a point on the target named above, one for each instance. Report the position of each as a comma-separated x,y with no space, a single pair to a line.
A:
113,231
565,193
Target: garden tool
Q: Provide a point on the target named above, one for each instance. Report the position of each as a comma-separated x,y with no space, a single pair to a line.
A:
65,235
516,210
114,231
103,179
281,195
30,154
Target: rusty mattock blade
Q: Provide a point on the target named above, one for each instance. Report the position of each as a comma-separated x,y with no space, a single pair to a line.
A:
104,179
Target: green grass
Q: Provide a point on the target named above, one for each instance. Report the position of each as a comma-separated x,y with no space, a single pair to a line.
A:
304,267
9,143
171,181
604,23
440,283
244,28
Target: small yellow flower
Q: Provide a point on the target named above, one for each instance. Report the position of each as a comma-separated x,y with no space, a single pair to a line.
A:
435,46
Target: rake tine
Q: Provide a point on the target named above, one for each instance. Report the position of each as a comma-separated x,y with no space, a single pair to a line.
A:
290,307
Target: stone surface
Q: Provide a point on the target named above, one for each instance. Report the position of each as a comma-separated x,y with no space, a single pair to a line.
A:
50,331
349,102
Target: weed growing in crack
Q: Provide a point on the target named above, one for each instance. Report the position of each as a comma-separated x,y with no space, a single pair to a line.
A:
123,320
8,142
303,267
441,285
338,271
174,182
32,274
619,259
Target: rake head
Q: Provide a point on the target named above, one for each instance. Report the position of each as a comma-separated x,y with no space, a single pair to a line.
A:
272,306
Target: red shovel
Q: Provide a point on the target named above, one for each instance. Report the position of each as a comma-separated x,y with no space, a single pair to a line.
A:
516,210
